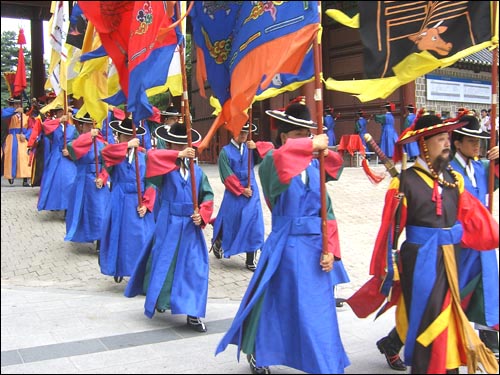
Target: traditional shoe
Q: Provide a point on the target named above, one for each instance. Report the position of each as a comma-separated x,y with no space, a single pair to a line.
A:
391,355
196,324
217,248
26,183
254,368
118,279
160,310
251,267
11,181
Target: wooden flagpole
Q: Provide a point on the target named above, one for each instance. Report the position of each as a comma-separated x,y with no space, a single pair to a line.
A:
187,114
318,99
493,114
96,157
250,152
137,170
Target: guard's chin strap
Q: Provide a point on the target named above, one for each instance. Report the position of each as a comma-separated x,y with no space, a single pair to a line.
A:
436,197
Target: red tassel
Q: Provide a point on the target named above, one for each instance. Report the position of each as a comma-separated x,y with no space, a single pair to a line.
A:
436,197
374,178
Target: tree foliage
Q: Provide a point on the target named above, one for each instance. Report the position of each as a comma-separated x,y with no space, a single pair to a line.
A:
9,57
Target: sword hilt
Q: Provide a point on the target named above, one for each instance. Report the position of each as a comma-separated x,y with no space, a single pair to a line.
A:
389,165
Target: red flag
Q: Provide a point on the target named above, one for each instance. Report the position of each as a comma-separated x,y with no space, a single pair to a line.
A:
20,80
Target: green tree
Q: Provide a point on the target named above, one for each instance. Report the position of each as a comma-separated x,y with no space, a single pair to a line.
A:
9,57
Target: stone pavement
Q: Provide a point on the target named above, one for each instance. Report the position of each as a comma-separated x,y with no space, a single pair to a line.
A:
60,315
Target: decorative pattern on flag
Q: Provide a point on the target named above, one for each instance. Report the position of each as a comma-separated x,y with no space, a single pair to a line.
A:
403,40
243,45
137,37
58,27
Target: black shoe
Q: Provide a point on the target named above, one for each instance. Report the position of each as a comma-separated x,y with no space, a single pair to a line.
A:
11,181
217,248
254,368
391,355
26,183
160,310
118,279
251,267
196,324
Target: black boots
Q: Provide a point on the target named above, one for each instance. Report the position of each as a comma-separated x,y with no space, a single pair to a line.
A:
217,248
250,262
254,368
390,347
26,183
196,324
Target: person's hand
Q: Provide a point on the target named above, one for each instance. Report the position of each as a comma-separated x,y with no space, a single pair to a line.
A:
320,142
65,152
142,211
94,132
63,118
135,142
22,138
326,262
251,145
196,218
492,154
247,192
99,183
188,152
19,110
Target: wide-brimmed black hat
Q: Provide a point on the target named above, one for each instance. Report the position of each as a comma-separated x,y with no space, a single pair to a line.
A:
390,106
427,126
177,134
12,100
171,111
296,114
472,128
246,127
410,107
125,127
84,119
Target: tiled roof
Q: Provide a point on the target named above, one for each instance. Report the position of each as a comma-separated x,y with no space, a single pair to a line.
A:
483,57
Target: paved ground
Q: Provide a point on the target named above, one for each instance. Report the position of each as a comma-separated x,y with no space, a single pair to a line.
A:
60,315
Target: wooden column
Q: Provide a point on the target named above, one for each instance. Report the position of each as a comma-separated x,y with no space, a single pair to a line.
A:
37,65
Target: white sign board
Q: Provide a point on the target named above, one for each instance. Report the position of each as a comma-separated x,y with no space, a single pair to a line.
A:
448,89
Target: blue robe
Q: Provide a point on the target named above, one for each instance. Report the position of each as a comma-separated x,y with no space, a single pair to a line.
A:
388,137
173,264
124,232
240,219
288,314
360,129
59,172
329,122
479,266
87,203
411,148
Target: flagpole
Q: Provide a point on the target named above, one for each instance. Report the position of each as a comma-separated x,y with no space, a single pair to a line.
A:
318,99
65,123
187,116
96,157
493,114
137,171
250,154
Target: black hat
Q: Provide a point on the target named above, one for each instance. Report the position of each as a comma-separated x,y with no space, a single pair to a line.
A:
390,106
15,99
171,111
125,127
84,119
328,108
296,114
360,112
472,128
410,107
177,134
428,126
246,127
